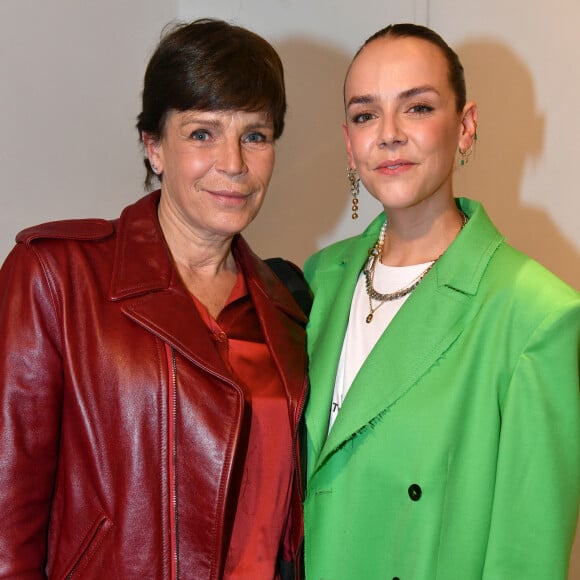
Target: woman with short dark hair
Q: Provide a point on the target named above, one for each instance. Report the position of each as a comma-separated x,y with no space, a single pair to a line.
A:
153,367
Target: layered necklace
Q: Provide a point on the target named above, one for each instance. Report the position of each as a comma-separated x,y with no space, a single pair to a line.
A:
375,255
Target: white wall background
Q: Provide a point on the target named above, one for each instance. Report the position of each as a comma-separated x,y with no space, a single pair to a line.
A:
70,81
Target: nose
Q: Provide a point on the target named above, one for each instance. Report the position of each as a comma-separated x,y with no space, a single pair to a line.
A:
230,159
391,132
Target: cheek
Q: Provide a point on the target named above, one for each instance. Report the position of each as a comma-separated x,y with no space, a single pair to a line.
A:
431,137
440,139
187,164
263,166
361,145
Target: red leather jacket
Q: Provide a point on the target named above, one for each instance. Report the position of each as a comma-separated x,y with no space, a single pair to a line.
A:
118,425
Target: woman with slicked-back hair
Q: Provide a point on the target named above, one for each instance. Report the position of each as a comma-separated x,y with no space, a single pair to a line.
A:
443,425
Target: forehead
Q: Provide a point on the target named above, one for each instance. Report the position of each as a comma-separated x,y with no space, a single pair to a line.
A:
397,64
219,117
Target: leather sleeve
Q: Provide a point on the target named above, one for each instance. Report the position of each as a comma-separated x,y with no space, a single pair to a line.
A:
30,403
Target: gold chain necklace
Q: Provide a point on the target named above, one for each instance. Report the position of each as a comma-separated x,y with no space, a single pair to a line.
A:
375,255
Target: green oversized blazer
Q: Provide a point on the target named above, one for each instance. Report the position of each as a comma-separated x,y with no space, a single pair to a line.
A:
456,454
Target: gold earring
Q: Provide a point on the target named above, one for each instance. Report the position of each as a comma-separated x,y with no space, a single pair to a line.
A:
354,180
465,154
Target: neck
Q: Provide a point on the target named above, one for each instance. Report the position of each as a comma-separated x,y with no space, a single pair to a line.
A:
421,238
195,252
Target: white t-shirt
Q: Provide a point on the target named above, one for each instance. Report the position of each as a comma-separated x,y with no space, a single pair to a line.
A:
360,336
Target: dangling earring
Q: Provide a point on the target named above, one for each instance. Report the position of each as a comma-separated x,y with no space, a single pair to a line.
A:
354,189
465,154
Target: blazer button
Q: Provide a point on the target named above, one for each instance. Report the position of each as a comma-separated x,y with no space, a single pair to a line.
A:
415,493
396,578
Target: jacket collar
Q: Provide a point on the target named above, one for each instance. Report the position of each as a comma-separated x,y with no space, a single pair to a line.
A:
461,267
429,322
142,260
146,282
464,263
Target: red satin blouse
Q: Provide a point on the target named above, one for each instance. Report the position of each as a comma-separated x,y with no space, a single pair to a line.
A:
264,470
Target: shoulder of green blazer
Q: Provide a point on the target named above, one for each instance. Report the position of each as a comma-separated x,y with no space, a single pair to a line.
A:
444,301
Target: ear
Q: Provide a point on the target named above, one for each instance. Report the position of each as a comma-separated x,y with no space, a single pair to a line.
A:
468,128
351,162
152,147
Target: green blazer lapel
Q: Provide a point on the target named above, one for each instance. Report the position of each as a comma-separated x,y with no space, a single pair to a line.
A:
334,287
429,322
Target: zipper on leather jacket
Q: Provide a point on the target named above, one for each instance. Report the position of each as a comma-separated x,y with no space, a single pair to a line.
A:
172,435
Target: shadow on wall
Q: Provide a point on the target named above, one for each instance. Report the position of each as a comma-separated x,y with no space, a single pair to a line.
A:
511,134
309,190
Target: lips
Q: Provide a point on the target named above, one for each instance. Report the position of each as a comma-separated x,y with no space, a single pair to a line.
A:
394,166
227,198
228,193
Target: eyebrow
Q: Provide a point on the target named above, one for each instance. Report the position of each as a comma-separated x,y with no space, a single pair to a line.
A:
408,94
195,120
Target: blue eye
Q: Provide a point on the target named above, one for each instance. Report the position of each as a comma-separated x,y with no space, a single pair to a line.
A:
200,135
256,137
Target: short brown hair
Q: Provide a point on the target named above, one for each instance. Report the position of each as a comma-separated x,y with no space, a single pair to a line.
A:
211,65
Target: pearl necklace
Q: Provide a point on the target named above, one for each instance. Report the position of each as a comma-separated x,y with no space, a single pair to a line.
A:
375,255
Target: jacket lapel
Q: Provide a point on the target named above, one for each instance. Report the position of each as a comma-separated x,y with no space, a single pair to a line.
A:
172,316
281,318
429,322
326,329
152,295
